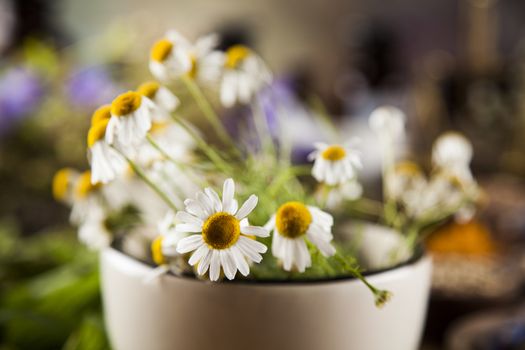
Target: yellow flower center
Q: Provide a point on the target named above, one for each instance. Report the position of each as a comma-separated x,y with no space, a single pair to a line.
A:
221,230
61,183
97,132
158,127
409,168
84,185
161,50
101,113
235,55
192,73
156,251
333,153
293,219
126,103
149,89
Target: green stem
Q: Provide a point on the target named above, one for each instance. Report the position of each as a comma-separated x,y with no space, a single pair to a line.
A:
207,110
148,181
219,162
165,154
381,296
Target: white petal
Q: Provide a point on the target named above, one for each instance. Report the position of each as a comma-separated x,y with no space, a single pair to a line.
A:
228,192
214,198
247,207
240,261
198,255
204,264
215,265
191,228
189,243
255,230
228,264
187,218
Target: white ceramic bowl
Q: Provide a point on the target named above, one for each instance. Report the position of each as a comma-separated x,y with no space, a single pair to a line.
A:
188,314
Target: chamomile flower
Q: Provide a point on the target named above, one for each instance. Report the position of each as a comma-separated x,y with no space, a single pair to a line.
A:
404,177
94,233
245,73
206,62
130,120
348,191
106,162
388,122
172,138
169,57
221,235
165,101
294,224
64,184
452,153
164,248
334,164
87,199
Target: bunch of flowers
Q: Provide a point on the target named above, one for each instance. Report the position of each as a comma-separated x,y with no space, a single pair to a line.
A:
216,208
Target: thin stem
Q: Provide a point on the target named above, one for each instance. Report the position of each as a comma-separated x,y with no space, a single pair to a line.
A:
207,110
219,162
148,181
381,296
165,154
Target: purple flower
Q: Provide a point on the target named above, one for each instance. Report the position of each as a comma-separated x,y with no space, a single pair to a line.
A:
20,93
91,87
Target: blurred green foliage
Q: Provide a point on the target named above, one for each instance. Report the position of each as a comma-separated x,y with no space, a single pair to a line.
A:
49,292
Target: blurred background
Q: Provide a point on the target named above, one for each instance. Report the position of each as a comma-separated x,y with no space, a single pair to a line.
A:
449,64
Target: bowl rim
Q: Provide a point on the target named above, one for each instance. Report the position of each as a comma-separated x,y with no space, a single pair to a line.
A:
418,255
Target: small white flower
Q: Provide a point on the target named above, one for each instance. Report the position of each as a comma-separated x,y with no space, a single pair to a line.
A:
293,224
106,162
169,58
87,200
404,177
94,233
171,236
130,119
348,191
388,121
172,138
452,153
64,182
165,101
245,73
220,238
206,62
334,164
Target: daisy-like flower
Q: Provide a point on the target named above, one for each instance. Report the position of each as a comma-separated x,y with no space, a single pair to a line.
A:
130,120
106,162
172,138
452,153
404,177
334,164
94,233
349,191
245,73
206,62
388,121
87,199
221,238
294,224
64,184
165,101
169,57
